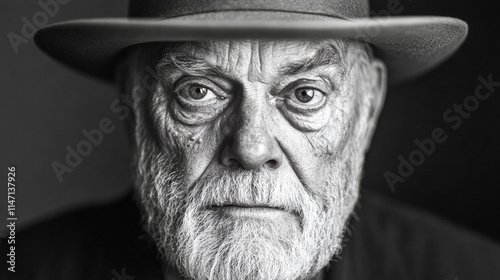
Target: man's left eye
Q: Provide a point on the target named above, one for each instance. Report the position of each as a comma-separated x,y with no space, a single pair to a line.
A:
307,96
197,93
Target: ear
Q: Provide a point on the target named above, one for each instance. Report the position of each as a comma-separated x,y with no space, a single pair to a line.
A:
377,98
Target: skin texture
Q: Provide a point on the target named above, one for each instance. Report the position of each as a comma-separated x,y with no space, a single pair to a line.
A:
279,125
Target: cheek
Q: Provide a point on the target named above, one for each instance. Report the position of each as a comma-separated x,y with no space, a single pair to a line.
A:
174,132
195,145
331,140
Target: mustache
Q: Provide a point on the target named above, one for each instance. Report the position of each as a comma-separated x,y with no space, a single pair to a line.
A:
263,188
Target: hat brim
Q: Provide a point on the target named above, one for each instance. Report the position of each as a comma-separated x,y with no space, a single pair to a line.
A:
409,46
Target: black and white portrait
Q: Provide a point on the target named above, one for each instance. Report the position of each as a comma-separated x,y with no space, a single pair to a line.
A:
250,140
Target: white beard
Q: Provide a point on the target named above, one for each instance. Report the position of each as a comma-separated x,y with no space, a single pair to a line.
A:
200,243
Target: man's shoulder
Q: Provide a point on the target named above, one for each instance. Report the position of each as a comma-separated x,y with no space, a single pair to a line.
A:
93,242
391,215
82,226
395,241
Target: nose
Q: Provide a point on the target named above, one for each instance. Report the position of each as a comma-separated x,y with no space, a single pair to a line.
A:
250,144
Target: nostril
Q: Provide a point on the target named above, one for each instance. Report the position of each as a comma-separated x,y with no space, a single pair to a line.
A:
250,159
274,164
251,149
230,162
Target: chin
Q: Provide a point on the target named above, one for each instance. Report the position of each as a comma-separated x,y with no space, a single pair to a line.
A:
217,246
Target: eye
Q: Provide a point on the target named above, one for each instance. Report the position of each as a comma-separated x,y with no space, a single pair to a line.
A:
198,100
197,93
307,96
304,95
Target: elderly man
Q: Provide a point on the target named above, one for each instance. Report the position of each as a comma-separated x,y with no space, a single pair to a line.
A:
249,147
249,153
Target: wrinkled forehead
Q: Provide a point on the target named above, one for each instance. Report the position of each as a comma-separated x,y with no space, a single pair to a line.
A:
215,50
253,58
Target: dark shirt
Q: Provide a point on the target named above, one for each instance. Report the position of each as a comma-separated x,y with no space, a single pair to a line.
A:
386,240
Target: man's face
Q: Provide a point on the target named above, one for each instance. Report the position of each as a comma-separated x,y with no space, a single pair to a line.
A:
249,153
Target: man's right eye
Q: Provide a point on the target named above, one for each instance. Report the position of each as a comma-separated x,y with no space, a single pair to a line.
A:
195,92
198,100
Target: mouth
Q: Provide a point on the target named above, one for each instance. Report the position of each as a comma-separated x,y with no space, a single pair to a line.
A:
253,211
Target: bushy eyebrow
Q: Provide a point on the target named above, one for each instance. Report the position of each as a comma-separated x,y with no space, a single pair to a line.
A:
174,61
328,55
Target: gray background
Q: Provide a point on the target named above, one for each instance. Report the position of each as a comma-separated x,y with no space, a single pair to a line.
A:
45,107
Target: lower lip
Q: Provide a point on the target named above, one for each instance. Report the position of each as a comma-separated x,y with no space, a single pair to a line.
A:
253,212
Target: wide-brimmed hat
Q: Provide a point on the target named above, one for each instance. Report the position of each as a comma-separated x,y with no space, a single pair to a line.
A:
408,45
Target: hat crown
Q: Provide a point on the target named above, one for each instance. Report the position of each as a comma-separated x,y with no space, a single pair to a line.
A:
174,8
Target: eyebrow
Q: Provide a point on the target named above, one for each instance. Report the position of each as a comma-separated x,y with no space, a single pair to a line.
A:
328,55
174,61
